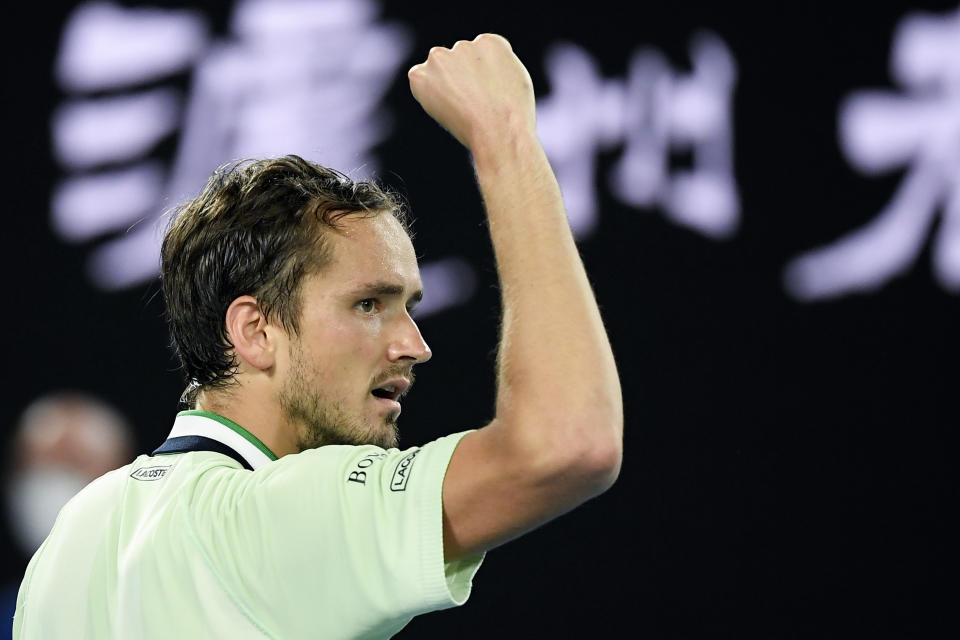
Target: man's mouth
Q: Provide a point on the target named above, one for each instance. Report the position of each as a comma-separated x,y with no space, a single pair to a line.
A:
391,391
388,391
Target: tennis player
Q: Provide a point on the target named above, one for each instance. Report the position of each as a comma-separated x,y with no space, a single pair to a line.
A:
279,506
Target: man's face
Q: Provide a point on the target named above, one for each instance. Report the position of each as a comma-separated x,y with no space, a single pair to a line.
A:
353,357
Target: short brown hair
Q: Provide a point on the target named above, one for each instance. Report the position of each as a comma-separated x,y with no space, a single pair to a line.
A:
257,228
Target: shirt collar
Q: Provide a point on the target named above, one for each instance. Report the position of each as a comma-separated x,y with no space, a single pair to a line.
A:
211,425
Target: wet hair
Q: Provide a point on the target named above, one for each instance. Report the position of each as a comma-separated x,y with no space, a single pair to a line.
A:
258,228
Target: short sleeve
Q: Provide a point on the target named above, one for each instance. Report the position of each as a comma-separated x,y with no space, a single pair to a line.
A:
337,541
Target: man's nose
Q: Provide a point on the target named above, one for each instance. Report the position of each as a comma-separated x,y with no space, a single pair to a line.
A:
409,343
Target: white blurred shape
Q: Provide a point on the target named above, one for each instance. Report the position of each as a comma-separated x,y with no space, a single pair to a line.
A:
874,132
302,77
640,177
881,131
295,76
89,205
654,111
866,258
113,129
704,201
925,51
105,46
667,110
446,283
265,18
582,115
694,113
128,260
700,104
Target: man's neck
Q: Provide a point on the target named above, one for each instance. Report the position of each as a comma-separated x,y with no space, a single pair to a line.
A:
261,418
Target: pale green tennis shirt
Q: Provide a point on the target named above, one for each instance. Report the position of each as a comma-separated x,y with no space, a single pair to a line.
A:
334,542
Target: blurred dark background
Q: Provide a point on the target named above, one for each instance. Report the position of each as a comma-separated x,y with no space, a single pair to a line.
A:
789,469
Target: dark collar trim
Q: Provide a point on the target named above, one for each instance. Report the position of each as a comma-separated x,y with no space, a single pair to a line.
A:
183,444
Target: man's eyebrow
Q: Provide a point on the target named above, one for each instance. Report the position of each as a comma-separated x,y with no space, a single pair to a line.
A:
387,289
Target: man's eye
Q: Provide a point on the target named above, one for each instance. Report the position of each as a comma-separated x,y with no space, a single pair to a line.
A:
367,306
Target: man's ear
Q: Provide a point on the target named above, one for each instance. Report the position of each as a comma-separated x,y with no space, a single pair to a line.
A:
253,340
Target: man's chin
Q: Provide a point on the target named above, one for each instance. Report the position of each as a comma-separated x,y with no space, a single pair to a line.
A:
391,434
383,434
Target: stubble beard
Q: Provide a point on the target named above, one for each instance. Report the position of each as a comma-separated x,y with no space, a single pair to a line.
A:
320,421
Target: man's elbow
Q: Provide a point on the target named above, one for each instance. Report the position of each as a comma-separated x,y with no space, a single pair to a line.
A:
597,456
602,461
585,451
604,444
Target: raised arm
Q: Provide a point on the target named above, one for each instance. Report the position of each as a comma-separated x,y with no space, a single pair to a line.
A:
556,439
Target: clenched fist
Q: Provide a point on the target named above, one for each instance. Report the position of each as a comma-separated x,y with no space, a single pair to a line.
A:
479,90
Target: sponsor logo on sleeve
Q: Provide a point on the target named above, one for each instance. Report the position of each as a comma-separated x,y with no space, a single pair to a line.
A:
359,473
401,475
149,474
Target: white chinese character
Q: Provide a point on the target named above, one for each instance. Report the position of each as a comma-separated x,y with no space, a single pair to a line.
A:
881,131
295,76
654,112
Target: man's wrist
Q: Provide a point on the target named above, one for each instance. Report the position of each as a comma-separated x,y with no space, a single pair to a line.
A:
498,147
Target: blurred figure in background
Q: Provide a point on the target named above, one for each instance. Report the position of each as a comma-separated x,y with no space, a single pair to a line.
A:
62,441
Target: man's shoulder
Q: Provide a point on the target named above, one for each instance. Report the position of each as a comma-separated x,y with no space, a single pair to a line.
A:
144,478
94,506
104,487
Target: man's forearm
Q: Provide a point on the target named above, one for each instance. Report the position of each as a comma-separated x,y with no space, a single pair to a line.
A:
556,370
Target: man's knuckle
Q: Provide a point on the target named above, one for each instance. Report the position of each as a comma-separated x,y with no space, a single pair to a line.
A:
495,37
490,37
